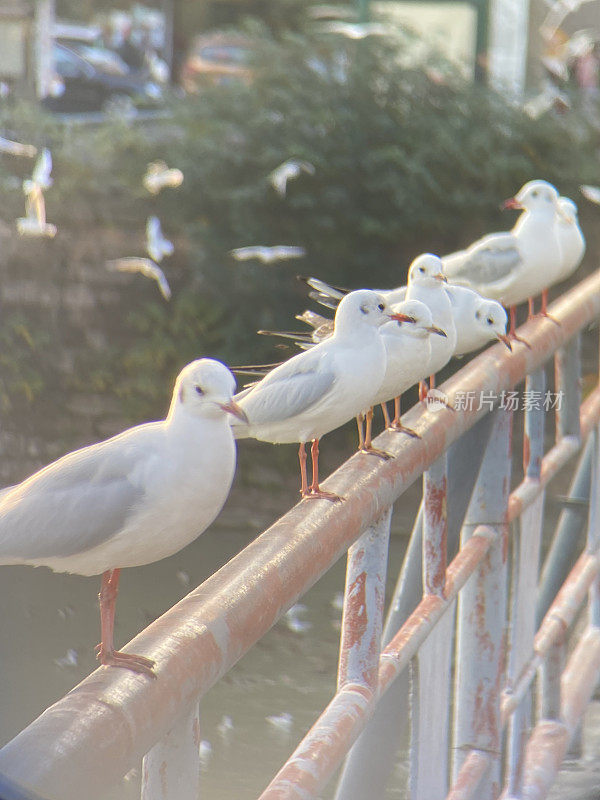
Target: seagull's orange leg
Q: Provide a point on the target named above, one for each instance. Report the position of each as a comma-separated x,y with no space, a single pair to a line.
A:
544,308
512,333
303,479
107,655
530,308
367,446
386,416
314,490
396,424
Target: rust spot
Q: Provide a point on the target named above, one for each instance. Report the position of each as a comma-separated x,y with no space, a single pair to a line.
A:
355,619
162,774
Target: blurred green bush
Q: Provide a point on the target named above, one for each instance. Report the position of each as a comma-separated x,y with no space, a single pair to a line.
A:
406,159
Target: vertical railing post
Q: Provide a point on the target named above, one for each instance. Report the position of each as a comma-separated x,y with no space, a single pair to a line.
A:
432,665
171,770
567,379
482,616
524,578
364,599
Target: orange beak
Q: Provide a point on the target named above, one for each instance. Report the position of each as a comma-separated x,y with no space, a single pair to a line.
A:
441,277
505,340
402,317
232,408
512,202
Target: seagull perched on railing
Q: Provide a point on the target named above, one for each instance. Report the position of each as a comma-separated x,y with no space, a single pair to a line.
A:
320,389
287,171
131,500
519,264
158,176
146,267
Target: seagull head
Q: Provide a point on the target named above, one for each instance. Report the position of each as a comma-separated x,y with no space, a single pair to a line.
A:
364,308
420,322
535,196
205,388
426,270
491,318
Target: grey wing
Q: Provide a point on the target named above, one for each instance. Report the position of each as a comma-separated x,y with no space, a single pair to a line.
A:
287,391
490,260
73,505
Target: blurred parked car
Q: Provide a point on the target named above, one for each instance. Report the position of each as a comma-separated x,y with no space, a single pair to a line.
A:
96,79
215,59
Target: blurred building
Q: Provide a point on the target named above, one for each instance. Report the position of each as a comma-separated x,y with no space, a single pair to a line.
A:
26,45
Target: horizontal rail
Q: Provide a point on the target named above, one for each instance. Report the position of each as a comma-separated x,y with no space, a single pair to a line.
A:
549,741
87,740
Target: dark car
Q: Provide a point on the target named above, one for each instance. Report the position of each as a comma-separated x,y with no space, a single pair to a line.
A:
99,82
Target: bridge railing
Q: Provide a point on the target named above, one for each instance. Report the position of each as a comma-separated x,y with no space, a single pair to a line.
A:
466,629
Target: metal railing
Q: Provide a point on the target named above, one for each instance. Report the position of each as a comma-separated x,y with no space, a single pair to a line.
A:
466,629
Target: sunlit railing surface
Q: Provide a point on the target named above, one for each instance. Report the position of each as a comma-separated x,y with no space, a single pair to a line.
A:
474,620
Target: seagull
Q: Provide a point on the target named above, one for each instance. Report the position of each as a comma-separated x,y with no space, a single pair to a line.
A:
146,267
477,320
515,266
16,148
408,355
268,255
354,30
40,177
408,349
130,500
426,282
157,246
287,171
158,176
591,193
570,238
34,222
320,389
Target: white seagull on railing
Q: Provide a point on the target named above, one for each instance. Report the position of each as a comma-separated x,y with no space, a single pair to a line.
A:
320,389
158,176
268,255
131,500
157,245
145,267
288,171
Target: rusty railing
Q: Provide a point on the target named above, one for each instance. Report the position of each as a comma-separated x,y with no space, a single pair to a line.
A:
465,624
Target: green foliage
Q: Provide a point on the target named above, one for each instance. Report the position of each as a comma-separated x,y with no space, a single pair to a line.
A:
403,163
24,368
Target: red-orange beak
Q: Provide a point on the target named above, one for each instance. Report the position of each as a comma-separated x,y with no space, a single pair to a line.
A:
505,340
232,408
402,317
512,202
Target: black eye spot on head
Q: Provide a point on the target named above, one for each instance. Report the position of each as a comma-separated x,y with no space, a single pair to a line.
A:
535,193
490,321
364,309
381,306
421,269
199,390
